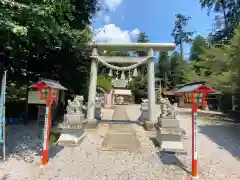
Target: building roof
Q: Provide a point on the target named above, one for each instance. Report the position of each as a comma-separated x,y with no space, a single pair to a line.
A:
191,83
196,88
49,83
122,92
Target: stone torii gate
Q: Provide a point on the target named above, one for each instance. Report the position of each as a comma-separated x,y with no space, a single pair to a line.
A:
135,61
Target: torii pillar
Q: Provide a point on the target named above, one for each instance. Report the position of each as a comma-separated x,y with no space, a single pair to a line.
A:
147,47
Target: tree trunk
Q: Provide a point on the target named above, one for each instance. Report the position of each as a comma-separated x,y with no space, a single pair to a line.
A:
224,14
181,49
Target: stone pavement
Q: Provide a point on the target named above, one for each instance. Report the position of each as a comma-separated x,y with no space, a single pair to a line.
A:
120,113
120,136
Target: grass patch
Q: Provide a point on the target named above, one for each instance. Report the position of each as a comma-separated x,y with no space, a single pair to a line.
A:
53,138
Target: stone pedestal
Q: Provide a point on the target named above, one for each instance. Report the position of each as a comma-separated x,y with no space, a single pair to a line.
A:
71,136
72,119
71,129
144,112
148,124
169,135
168,122
97,113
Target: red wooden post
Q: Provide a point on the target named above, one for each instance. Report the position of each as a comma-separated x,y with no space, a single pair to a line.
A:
194,138
47,124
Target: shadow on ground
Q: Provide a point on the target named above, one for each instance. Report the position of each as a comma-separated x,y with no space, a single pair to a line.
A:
226,136
171,159
23,142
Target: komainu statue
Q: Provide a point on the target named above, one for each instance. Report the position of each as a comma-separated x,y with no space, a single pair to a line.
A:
75,106
166,108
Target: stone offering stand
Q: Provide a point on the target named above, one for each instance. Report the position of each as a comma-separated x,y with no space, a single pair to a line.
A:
169,135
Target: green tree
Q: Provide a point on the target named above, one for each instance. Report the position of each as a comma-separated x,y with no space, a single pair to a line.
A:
137,84
46,39
142,38
222,64
105,83
179,33
227,18
196,48
163,68
218,6
175,69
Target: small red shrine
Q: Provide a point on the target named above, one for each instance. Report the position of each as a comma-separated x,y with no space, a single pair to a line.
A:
184,93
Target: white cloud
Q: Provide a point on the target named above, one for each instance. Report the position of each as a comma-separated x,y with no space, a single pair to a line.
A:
113,33
107,19
112,4
135,32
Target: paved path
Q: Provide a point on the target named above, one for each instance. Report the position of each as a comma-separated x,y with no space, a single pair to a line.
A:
120,113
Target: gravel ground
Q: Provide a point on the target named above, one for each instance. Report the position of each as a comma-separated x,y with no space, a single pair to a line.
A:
218,150
217,158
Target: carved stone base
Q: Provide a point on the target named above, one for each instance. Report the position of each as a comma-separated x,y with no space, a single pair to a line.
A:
74,118
71,139
168,122
144,115
170,139
97,113
149,126
172,146
90,124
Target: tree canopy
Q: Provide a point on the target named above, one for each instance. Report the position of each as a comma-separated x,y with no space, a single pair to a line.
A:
46,39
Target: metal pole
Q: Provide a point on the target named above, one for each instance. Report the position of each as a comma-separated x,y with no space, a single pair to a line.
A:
47,124
194,139
3,115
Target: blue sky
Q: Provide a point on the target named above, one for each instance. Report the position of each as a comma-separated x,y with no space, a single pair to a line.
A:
126,18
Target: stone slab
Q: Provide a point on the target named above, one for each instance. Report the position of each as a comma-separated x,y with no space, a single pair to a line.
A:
76,131
118,141
70,139
168,122
169,146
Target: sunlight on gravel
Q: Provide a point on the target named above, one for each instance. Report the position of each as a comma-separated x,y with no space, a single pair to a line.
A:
217,158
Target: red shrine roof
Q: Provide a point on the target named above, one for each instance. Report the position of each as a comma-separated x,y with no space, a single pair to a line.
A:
46,83
196,88
191,87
